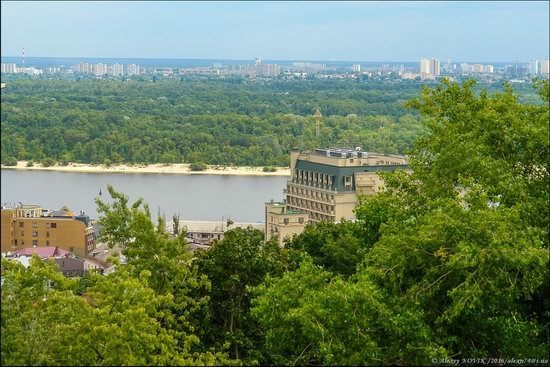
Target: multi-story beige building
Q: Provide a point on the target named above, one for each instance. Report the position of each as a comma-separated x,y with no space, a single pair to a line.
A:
31,226
325,186
281,222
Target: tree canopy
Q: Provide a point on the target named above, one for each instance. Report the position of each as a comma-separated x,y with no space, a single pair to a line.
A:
448,261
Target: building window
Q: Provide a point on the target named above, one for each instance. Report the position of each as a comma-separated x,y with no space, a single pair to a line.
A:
22,243
21,224
22,233
47,225
47,234
301,220
15,242
35,225
35,242
285,221
54,225
47,243
35,234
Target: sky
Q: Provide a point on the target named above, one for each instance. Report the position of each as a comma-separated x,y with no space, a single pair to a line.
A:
311,30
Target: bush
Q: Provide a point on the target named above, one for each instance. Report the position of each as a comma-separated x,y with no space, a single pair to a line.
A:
10,161
107,163
47,162
30,164
63,162
199,166
269,169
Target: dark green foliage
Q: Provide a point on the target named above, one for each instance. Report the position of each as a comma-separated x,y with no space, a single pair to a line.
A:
456,260
220,122
240,261
48,162
450,261
30,164
9,161
337,247
198,166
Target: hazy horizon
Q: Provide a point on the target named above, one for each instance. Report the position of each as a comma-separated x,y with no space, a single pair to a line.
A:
309,31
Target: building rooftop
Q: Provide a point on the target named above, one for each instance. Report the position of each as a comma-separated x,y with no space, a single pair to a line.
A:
276,203
211,227
350,153
43,252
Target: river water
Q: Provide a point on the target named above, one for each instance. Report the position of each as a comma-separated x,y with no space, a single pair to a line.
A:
194,197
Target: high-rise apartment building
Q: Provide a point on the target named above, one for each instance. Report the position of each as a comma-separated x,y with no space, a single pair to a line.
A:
430,67
425,67
356,68
8,68
324,186
84,68
533,67
488,69
478,68
544,67
117,70
436,67
99,69
31,226
133,69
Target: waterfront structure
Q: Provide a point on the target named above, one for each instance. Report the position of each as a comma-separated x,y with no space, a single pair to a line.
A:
205,232
325,185
30,225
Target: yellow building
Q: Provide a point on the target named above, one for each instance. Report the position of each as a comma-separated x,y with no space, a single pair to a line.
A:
281,222
325,183
30,226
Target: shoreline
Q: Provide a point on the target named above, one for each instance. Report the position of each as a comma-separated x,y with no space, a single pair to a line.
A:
176,168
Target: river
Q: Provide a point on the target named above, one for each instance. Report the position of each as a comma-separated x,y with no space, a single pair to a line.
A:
194,197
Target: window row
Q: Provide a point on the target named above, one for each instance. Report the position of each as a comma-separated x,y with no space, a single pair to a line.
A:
310,177
307,204
310,193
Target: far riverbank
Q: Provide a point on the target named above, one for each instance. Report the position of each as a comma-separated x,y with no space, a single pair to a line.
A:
176,168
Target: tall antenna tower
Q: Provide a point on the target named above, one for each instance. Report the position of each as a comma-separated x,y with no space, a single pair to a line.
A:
317,117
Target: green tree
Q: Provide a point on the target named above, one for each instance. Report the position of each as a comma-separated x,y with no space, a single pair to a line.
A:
465,236
239,261
147,248
10,161
114,322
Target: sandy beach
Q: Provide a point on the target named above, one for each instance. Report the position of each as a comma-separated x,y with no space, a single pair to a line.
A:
153,168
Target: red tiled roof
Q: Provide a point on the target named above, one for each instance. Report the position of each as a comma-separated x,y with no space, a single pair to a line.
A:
43,252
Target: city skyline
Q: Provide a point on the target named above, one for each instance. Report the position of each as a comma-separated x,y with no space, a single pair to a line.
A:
349,31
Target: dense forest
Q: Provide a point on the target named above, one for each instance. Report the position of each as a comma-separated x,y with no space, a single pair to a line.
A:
447,265
215,121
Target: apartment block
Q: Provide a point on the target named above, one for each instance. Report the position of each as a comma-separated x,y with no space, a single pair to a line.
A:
31,226
325,186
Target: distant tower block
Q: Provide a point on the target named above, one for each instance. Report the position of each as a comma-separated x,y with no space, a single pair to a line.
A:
317,117
23,57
